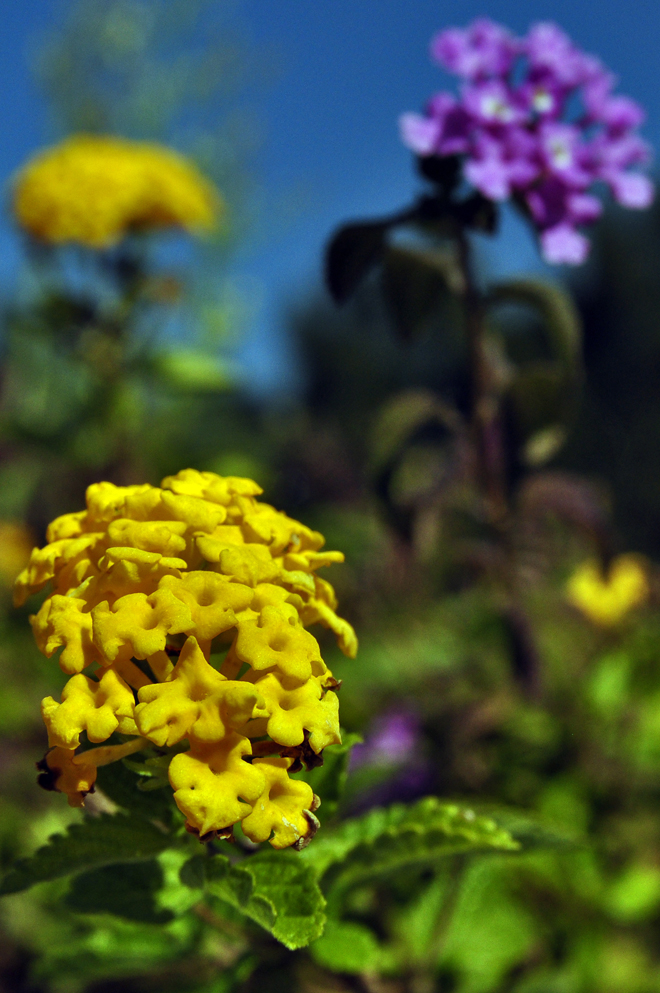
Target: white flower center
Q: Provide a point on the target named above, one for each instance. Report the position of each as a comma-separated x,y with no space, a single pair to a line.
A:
542,101
560,153
496,109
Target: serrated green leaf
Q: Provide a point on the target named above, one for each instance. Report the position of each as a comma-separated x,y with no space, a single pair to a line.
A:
127,890
275,890
530,834
291,888
328,780
97,842
235,885
400,837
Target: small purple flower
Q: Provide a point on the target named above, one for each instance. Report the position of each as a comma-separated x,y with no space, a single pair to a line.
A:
391,741
482,50
501,165
536,120
563,245
492,103
562,154
552,54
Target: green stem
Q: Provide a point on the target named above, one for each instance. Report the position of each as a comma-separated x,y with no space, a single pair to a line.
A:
485,407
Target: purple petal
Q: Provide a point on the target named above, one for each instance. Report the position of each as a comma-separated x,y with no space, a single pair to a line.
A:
632,189
481,50
418,133
490,176
564,245
583,208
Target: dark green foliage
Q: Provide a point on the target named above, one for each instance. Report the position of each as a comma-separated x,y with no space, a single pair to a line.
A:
328,780
122,786
415,286
127,890
352,253
97,842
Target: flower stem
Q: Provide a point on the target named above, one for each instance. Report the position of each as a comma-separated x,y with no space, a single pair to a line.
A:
484,401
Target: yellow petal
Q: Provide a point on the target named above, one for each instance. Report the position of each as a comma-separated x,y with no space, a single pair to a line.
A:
138,625
213,786
99,708
195,699
606,600
211,599
278,639
279,811
64,620
295,709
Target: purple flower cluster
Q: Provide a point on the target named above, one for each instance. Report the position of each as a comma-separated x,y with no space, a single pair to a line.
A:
536,121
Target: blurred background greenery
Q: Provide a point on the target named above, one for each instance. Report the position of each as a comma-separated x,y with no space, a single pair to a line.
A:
100,380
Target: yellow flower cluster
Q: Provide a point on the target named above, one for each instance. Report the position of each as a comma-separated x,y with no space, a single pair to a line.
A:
606,600
189,603
94,189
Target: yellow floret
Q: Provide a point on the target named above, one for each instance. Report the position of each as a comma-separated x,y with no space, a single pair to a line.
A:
170,575
282,809
138,625
277,638
99,708
66,621
606,600
75,775
211,599
294,709
213,786
95,189
197,700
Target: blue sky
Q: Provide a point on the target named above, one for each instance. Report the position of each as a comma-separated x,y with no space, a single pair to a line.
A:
330,149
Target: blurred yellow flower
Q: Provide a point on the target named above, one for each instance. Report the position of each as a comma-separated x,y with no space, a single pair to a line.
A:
193,596
94,189
606,600
16,543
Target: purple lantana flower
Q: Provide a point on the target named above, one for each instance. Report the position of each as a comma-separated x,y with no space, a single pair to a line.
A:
536,122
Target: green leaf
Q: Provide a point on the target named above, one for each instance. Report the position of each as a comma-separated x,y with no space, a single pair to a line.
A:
195,371
97,842
127,890
274,889
402,417
353,251
329,780
529,833
558,311
235,885
416,283
347,946
401,837
293,891
543,394
123,786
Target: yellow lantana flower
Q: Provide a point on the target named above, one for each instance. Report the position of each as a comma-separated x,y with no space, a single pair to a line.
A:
188,604
95,189
606,600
